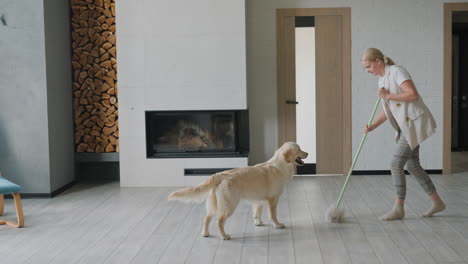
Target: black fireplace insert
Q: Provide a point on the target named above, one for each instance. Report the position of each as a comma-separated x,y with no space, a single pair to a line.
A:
195,134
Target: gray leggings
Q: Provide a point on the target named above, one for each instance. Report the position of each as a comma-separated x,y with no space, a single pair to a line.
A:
404,155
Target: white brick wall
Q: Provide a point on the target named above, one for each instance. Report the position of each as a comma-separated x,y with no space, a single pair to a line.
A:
176,55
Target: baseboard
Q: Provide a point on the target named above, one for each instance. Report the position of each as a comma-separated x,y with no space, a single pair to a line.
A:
43,195
387,172
62,189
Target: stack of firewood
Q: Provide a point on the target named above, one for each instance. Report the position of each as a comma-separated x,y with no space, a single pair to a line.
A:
94,71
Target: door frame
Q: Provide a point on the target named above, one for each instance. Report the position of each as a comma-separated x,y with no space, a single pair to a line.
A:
449,8
284,74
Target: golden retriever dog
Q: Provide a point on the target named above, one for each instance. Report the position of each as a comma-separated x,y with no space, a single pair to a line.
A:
259,183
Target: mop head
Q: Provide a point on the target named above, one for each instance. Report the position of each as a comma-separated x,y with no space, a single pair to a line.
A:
334,215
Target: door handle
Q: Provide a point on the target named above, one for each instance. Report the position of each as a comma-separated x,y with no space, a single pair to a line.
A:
291,102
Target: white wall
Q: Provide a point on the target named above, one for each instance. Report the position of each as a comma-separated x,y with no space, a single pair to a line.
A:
410,32
182,54
161,57
176,55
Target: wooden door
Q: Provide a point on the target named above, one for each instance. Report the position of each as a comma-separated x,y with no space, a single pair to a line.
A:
329,104
287,67
333,85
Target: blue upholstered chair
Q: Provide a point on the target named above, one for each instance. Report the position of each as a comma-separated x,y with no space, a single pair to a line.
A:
7,187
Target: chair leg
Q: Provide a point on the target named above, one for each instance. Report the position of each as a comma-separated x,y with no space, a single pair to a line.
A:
1,204
19,212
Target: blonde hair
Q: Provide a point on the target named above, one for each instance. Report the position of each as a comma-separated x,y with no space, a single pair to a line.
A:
372,54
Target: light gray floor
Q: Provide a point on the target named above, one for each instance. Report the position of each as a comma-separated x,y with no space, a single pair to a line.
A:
103,223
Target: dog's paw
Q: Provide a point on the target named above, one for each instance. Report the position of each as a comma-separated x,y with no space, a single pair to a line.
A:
258,222
205,234
280,226
226,237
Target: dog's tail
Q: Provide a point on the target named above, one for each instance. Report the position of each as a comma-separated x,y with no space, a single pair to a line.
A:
197,193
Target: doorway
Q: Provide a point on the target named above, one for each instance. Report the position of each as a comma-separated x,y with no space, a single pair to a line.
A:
455,137
459,144
306,118
330,112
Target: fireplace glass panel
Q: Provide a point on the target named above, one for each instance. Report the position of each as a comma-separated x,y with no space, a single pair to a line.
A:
189,133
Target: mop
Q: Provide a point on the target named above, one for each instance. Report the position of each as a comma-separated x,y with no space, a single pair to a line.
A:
334,213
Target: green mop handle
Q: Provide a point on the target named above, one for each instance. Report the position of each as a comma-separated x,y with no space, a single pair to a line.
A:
357,154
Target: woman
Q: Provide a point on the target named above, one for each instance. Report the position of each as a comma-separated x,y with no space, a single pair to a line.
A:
412,120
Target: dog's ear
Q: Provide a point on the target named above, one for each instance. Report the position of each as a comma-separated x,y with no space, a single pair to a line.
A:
288,156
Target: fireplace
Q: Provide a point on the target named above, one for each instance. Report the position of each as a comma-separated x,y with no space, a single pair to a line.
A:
197,134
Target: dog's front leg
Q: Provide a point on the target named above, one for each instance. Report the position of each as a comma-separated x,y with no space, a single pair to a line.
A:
257,209
272,203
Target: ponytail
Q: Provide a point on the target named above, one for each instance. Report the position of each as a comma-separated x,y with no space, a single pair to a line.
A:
389,61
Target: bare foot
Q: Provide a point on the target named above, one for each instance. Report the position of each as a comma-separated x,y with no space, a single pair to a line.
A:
397,213
437,206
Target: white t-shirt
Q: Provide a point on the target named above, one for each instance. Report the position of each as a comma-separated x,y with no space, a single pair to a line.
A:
401,75
395,73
